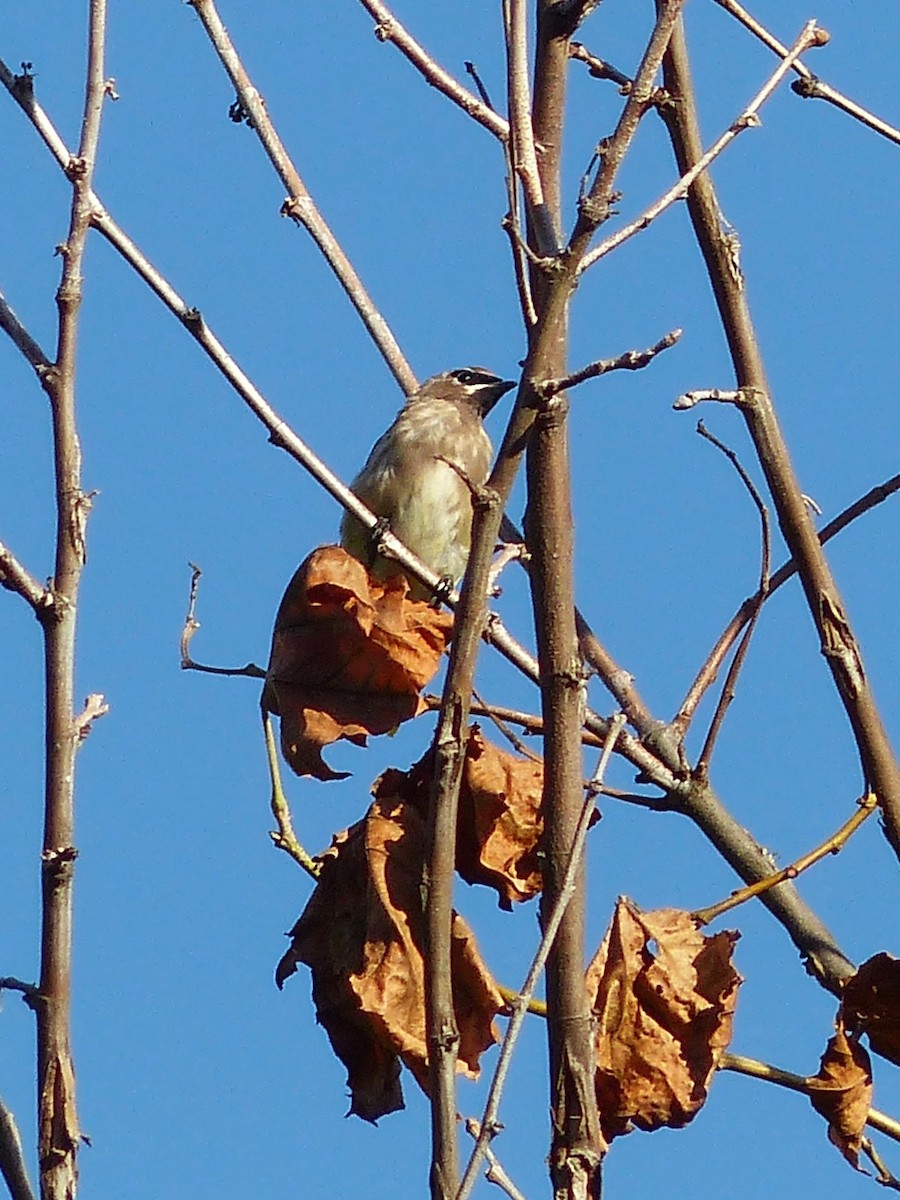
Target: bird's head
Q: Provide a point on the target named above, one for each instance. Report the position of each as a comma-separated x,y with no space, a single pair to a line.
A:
473,386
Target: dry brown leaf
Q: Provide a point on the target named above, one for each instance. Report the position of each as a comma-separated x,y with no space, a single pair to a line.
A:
350,656
361,933
870,1004
499,823
842,1093
664,996
329,937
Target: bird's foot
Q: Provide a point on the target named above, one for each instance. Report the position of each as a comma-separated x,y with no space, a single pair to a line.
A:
443,591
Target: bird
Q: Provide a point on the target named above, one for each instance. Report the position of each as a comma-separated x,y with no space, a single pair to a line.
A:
423,500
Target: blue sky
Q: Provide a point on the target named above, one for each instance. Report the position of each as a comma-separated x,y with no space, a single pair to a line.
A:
196,1077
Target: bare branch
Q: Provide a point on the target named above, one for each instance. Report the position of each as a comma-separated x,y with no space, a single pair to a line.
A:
522,140
58,1130
11,325
810,36
597,67
389,29
191,625
495,1172
837,641
284,839
721,395
300,205
707,674
631,360
865,807
17,578
701,770
809,85
799,1083
12,1160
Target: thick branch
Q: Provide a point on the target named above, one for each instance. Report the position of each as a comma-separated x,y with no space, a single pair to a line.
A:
58,1132
838,644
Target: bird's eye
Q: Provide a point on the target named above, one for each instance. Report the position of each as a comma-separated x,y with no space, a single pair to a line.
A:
465,376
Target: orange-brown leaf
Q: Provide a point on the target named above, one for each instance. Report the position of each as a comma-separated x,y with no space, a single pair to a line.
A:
395,990
871,1004
362,934
842,1093
499,821
350,656
664,996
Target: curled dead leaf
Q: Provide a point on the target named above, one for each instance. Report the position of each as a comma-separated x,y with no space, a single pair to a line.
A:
841,1092
870,1004
350,656
362,934
500,822
664,996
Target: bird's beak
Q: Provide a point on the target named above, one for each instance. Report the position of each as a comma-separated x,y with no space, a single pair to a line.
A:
490,395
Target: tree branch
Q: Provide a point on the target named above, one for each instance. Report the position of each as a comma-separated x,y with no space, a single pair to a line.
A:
748,119
300,205
58,1132
865,807
389,29
489,1125
837,641
809,85
11,325
708,672
701,770
12,1160
631,360
16,578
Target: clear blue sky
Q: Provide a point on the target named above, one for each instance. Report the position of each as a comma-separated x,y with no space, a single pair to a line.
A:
196,1077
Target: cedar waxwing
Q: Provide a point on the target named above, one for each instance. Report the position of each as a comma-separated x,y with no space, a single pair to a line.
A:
425,503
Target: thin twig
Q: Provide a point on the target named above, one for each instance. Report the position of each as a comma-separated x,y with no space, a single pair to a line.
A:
11,325
495,1172
472,71
389,29
631,360
742,1065
522,141
708,672
598,68
866,806
12,1160
511,736
285,839
883,1174
17,578
809,85
488,1125
701,769
300,205
810,36
191,625
701,395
